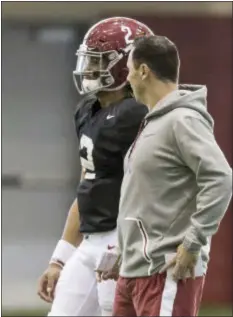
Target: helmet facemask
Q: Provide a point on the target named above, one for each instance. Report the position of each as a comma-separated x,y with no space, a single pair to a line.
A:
93,70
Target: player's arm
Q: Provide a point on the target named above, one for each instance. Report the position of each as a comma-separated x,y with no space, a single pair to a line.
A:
71,236
68,243
71,232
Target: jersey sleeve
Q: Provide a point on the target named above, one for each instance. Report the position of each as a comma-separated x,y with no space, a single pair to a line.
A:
130,120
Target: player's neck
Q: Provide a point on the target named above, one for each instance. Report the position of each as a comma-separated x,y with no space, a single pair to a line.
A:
108,98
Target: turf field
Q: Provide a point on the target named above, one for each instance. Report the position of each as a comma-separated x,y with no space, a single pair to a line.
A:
205,311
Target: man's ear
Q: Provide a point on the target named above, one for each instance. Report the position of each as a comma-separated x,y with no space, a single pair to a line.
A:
144,71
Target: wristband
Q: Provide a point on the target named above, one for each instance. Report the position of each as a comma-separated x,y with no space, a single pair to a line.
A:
62,252
57,262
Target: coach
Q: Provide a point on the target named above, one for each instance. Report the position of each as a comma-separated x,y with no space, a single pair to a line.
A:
175,192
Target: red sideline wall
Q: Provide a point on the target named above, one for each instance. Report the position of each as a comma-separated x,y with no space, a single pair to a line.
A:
205,46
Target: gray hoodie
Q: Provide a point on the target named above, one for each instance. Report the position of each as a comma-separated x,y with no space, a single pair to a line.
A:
177,185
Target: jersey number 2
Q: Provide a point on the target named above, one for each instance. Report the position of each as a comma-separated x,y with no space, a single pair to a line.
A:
87,163
128,33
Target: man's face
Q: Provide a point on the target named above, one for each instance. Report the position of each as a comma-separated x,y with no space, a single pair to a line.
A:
135,79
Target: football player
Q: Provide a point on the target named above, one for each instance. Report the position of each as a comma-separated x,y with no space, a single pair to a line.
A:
107,121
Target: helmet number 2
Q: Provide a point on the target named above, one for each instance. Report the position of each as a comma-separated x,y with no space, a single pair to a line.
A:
128,33
86,158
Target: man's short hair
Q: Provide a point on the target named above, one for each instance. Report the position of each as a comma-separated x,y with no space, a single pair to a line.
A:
160,54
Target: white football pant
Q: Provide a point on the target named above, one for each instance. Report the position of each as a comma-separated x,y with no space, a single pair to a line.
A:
77,292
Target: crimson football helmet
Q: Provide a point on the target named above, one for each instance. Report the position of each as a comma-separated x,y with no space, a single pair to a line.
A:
102,57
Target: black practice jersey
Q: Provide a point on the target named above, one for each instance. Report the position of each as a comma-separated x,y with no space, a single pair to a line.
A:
105,135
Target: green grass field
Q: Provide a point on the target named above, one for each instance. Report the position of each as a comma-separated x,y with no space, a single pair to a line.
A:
205,311
216,311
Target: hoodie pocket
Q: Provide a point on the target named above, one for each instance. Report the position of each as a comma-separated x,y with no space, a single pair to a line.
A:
144,237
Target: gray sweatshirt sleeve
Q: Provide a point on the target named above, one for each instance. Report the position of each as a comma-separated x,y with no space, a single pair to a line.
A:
197,148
